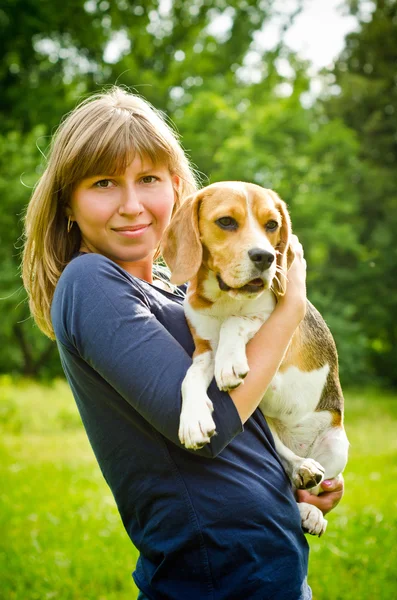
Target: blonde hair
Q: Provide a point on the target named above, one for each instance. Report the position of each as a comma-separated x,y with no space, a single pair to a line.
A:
101,136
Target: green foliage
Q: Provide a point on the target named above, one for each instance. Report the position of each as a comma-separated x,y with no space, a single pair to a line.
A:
23,350
367,104
52,57
62,537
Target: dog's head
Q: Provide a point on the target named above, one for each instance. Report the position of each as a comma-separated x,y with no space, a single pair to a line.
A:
240,231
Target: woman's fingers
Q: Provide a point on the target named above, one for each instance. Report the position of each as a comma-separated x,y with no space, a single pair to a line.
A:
296,245
297,250
326,500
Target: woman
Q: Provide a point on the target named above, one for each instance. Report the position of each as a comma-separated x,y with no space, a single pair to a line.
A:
218,523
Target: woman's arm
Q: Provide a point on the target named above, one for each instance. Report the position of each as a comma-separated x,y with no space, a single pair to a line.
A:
104,317
267,348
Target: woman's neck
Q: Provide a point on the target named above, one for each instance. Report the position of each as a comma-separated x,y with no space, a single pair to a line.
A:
140,268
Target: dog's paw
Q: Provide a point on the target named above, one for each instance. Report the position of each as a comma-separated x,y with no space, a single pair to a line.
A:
231,371
312,519
307,474
196,426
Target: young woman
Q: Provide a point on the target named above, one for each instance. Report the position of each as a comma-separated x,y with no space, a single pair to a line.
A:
217,523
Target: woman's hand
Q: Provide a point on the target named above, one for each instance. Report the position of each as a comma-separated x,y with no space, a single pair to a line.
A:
295,295
326,500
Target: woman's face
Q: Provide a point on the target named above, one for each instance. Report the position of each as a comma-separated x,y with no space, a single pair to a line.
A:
123,217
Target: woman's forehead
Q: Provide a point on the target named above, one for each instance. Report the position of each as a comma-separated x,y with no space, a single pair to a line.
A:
144,164
117,164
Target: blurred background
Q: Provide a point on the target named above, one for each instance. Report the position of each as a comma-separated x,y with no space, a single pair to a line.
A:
299,96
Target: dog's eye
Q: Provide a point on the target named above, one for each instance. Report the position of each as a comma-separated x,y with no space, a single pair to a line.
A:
271,225
227,223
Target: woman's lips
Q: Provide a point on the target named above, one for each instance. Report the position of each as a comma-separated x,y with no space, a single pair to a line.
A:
132,231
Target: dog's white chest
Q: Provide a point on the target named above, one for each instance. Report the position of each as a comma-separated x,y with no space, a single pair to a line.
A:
208,322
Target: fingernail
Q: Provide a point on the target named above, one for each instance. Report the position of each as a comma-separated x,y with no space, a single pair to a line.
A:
327,483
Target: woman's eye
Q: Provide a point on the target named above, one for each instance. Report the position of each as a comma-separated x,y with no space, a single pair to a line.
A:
103,183
271,225
149,179
227,223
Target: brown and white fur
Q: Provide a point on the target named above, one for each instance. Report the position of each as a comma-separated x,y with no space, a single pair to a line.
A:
230,240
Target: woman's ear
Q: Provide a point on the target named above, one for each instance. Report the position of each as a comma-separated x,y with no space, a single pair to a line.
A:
285,254
176,181
68,211
180,245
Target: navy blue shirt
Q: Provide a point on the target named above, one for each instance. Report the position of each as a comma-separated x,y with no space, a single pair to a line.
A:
220,523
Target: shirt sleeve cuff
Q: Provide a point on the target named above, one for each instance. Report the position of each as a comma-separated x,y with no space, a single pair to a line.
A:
227,421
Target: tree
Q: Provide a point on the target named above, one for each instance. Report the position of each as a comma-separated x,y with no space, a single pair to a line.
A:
54,55
367,103
23,349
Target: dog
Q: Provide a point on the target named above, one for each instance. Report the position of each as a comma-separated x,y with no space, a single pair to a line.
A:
231,242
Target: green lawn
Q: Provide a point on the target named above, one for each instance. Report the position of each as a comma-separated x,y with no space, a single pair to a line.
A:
61,536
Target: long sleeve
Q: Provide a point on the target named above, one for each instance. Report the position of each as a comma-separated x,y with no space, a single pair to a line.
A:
104,315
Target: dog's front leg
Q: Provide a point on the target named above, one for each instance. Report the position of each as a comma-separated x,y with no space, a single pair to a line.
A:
196,425
231,366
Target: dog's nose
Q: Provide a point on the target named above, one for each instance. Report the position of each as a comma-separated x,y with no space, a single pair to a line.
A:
261,258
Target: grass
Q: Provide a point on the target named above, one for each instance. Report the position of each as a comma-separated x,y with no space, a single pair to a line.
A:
357,557
62,537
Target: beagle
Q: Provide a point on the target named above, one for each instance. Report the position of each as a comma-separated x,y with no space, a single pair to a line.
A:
230,240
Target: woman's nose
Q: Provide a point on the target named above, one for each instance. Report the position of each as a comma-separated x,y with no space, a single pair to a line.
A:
130,203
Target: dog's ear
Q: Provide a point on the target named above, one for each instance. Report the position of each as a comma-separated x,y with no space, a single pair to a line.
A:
180,245
285,254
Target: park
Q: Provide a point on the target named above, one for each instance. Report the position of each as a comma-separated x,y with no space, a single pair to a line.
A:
325,140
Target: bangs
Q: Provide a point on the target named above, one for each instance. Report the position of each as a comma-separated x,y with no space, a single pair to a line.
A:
108,148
